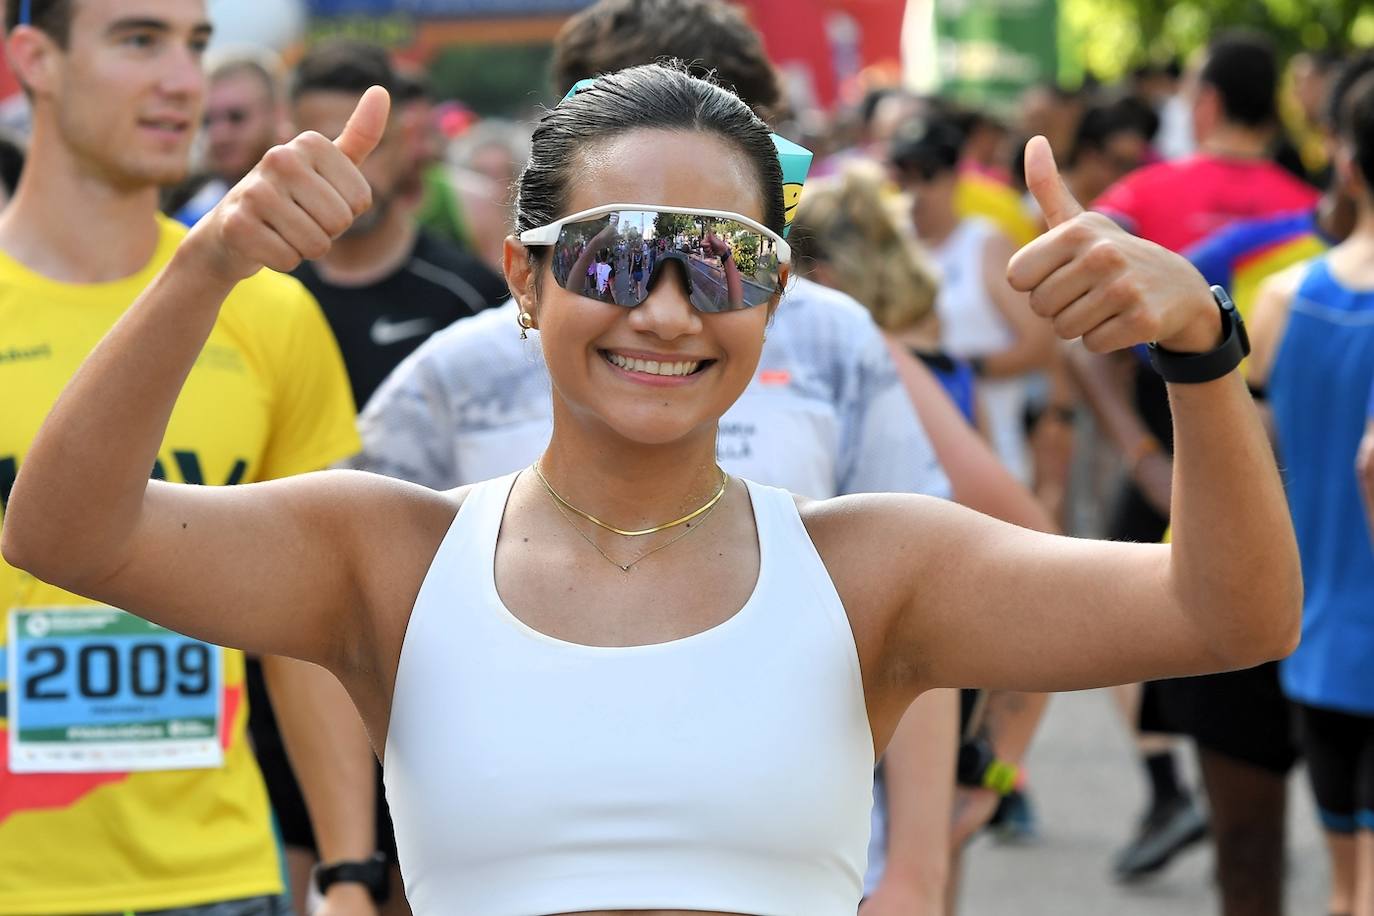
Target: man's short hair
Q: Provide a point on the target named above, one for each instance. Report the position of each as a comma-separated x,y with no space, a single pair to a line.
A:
262,65
343,65
709,35
51,16
1103,121
412,86
1242,68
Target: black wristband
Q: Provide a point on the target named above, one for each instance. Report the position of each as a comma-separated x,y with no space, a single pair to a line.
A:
1194,368
371,873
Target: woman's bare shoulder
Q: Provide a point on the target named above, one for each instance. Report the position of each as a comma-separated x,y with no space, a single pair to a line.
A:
389,515
853,514
869,539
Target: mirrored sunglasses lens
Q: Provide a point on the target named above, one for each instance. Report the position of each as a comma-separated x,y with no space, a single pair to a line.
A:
585,256
737,266
614,258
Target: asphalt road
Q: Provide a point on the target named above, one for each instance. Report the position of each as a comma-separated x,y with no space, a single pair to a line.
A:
1088,791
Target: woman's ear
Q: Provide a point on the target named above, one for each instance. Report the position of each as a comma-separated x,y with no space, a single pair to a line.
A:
784,274
520,267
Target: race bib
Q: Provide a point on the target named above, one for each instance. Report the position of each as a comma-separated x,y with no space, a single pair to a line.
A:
95,689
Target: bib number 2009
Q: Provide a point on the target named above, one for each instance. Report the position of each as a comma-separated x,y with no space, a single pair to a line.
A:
99,690
102,670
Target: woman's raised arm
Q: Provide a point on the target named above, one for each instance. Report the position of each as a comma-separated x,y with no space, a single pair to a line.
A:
976,602
262,566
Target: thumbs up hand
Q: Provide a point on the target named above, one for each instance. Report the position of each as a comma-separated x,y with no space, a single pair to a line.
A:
296,201
1094,280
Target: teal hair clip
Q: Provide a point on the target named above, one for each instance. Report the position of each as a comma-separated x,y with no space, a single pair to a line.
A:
794,159
579,86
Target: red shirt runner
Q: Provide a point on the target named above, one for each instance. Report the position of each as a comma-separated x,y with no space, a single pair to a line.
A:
1175,204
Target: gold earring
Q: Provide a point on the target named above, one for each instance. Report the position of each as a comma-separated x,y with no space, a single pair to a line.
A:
526,321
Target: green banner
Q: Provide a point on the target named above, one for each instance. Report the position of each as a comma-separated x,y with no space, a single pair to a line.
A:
990,51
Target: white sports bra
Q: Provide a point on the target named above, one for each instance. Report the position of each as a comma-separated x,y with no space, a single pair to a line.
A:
730,770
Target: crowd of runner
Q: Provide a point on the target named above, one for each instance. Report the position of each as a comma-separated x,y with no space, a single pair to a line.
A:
146,771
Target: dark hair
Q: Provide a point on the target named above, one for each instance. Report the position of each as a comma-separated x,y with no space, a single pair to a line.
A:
1349,75
927,146
970,121
11,161
1169,68
1102,122
1140,114
412,86
1358,117
868,106
650,97
1242,68
51,16
343,65
711,36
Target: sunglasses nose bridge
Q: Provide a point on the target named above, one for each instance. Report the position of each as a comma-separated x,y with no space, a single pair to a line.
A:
666,313
661,264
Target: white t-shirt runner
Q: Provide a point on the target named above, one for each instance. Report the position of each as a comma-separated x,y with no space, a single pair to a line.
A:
825,415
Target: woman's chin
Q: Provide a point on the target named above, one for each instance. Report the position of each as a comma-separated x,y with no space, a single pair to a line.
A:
659,427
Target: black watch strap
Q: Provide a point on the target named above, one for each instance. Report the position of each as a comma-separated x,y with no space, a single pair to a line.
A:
1194,368
371,873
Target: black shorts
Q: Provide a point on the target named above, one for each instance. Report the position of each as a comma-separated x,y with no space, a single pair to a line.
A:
1134,519
288,804
970,703
1240,714
1339,748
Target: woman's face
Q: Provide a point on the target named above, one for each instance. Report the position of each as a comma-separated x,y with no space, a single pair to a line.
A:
584,339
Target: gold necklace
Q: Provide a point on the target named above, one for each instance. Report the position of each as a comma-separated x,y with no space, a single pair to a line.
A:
564,504
626,567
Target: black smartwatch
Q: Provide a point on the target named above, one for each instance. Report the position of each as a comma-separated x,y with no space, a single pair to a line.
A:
370,873
1193,368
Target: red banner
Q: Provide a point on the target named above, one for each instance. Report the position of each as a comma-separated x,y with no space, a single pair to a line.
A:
832,41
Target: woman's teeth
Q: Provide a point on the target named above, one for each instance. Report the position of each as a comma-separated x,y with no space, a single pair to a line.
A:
652,367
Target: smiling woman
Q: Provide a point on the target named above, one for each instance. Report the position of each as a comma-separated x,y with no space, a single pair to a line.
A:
624,681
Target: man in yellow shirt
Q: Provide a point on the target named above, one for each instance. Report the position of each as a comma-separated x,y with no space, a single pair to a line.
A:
127,783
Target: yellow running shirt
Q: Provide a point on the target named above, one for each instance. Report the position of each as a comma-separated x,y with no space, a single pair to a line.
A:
979,195
126,779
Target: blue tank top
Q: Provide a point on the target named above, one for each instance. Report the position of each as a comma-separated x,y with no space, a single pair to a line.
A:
1318,389
955,375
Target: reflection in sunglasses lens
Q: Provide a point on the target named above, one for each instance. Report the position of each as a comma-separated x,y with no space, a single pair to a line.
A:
617,257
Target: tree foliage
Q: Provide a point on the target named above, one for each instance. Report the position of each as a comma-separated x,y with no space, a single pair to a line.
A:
1106,38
